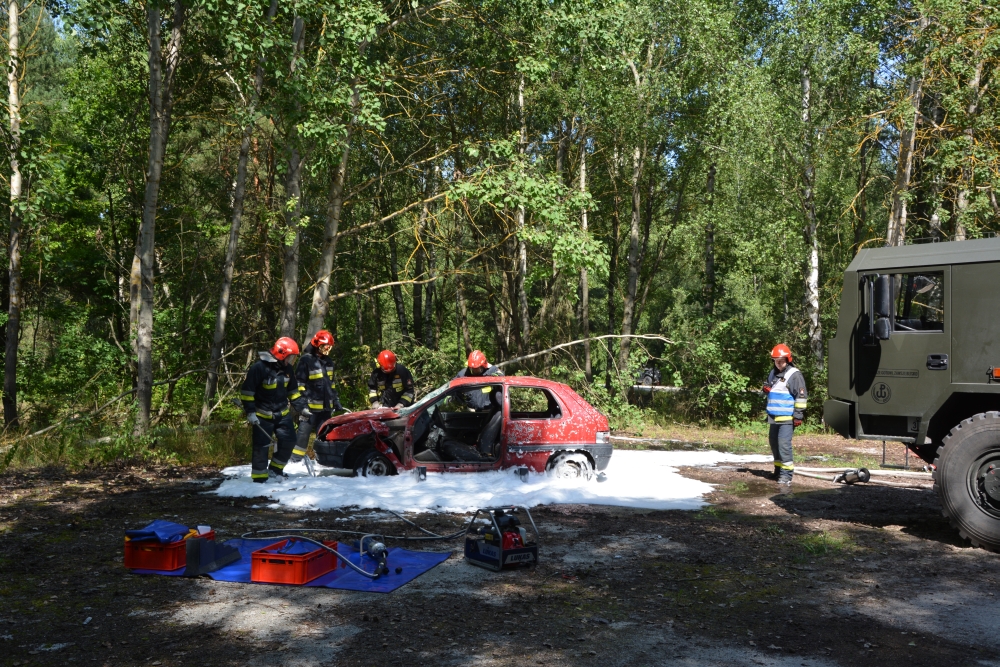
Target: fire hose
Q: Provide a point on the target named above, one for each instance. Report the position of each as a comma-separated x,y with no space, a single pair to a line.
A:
863,475
376,550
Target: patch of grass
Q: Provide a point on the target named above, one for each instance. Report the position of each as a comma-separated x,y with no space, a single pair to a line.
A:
737,487
825,543
773,530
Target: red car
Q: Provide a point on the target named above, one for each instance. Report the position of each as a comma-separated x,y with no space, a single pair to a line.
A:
473,424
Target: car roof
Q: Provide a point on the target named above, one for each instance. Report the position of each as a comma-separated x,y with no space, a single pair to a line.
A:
510,381
927,254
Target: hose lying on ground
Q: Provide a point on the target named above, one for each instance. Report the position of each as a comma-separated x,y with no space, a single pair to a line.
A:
807,472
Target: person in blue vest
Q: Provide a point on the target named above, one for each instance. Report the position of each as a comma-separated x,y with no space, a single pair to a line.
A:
786,404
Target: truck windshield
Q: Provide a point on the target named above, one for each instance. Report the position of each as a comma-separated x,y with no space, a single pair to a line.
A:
919,301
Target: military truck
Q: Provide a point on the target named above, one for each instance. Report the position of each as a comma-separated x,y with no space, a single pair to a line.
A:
916,359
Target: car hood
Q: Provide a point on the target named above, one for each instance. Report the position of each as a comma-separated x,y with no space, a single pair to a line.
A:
381,414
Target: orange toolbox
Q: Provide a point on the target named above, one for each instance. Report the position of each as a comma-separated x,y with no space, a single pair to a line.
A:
154,555
292,562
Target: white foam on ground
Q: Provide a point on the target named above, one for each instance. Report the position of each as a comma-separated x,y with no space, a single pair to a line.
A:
640,479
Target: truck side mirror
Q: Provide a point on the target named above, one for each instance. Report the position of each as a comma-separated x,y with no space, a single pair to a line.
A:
882,298
883,328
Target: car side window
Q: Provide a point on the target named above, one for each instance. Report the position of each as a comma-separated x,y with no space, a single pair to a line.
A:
533,403
919,301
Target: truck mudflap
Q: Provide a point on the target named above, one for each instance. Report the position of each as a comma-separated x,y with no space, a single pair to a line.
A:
839,415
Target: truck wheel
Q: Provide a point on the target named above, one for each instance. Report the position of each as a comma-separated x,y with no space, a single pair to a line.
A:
570,466
967,479
373,464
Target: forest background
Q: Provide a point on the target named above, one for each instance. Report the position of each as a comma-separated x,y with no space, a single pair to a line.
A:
188,181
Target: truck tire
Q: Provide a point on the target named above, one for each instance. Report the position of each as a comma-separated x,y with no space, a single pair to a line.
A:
967,479
568,465
373,464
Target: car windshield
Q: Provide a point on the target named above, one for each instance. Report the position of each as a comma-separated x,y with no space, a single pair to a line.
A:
425,400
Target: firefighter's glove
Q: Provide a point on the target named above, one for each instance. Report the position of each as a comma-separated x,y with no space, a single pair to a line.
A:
796,422
376,405
306,413
766,389
397,406
338,406
253,419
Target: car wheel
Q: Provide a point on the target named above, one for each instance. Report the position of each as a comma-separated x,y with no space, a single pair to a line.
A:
967,479
373,464
570,466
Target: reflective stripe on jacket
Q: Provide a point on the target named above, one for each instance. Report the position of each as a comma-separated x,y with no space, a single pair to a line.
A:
269,387
314,373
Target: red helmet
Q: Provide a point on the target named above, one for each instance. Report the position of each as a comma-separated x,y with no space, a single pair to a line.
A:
284,347
781,350
478,360
321,338
387,361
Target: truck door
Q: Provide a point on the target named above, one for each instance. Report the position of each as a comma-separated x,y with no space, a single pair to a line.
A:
912,363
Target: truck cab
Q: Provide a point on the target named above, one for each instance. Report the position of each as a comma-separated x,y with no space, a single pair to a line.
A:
916,360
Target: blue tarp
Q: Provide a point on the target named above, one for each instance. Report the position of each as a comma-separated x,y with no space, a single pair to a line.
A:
414,563
163,531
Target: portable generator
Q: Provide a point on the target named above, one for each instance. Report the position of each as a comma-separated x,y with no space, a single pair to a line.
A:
495,538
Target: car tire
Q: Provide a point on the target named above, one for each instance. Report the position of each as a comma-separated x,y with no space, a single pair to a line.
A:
373,464
570,465
967,479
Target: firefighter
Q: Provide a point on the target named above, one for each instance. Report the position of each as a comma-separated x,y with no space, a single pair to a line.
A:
314,374
390,385
786,402
477,366
268,389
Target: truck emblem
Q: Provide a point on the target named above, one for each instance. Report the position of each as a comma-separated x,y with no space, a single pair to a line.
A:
881,393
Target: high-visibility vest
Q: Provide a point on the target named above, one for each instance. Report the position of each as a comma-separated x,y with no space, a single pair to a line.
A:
780,402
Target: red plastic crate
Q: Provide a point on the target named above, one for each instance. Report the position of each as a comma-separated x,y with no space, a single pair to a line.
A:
153,555
268,567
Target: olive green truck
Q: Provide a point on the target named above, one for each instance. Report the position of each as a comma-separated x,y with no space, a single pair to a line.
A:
916,359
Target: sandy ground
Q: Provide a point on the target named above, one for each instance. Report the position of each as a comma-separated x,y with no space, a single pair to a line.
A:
824,575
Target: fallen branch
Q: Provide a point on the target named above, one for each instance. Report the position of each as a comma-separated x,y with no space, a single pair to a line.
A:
583,340
79,416
373,288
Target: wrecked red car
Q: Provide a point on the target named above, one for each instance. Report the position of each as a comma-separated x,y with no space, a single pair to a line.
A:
473,424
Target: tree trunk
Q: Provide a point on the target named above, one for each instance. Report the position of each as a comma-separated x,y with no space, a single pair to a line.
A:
628,307
293,212
811,231
613,266
14,250
710,245
239,194
428,317
584,287
861,209
335,204
962,202
896,232
161,80
522,248
397,290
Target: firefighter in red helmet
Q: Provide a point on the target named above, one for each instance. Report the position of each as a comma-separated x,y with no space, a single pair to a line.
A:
478,366
267,391
314,373
390,384
786,403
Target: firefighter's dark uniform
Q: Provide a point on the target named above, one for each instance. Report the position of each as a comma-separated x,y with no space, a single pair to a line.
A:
389,389
478,399
268,389
314,374
786,403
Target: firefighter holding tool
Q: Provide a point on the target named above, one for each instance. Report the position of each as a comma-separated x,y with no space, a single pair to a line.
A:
786,402
270,386
390,385
314,375
477,366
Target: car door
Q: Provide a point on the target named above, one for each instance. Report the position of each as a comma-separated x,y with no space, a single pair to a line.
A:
910,369
534,425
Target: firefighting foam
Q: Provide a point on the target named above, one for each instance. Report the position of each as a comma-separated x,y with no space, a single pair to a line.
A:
640,479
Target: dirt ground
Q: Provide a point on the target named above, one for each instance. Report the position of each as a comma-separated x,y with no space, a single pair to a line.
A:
825,575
